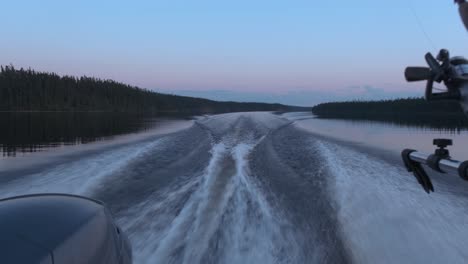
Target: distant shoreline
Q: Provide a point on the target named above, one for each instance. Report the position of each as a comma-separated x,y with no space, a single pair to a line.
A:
31,91
81,111
410,111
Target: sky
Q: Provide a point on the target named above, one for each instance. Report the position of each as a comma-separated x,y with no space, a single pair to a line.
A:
295,52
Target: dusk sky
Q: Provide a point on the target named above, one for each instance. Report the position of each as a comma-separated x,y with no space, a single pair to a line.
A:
297,52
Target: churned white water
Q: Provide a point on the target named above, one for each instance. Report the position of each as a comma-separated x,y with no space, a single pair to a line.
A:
220,216
387,218
201,203
81,177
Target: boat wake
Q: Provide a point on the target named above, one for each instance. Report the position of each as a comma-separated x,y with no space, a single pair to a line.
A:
252,188
387,218
220,216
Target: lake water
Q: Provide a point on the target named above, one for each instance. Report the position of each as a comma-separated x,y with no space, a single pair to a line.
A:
24,133
255,188
31,132
28,139
386,136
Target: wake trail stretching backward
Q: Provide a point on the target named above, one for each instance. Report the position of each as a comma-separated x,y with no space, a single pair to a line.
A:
252,188
220,216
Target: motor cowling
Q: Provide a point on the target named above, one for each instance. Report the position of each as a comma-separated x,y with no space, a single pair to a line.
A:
60,228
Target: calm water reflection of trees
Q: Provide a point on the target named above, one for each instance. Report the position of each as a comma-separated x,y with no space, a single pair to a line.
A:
30,132
414,112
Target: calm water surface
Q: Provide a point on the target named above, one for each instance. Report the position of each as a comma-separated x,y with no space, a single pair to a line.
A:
31,132
387,136
34,138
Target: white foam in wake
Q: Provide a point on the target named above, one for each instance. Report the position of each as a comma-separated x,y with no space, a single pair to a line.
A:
387,218
218,217
78,177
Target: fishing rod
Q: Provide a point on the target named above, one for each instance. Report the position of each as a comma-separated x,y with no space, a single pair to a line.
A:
453,73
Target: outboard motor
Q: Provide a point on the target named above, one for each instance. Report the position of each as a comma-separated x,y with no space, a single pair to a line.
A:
60,228
453,73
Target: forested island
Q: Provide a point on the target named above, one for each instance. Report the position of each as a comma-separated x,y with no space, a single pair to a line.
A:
409,111
29,90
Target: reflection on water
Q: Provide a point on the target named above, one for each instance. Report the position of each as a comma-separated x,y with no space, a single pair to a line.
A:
389,136
437,121
31,132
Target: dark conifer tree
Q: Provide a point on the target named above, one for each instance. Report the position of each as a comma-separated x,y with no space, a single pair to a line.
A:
28,90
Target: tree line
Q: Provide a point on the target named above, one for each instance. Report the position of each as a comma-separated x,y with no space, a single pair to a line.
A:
411,111
29,90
